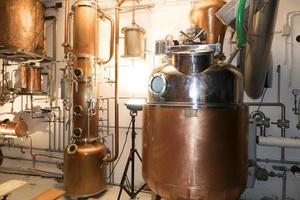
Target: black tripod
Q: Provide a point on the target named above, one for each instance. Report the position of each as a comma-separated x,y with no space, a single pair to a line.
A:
129,187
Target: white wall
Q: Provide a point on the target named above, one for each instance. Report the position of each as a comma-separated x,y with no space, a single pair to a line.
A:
170,18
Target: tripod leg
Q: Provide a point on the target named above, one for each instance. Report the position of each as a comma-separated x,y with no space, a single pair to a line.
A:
157,197
124,176
137,153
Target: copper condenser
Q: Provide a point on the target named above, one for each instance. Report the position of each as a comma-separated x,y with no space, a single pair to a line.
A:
195,129
84,166
134,41
22,27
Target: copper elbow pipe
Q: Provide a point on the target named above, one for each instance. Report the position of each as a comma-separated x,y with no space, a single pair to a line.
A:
112,33
66,36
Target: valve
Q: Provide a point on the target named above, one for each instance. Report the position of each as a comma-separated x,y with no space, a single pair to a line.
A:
295,93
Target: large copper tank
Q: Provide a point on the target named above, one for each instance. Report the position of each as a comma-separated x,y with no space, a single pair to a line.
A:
195,130
22,26
203,15
84,168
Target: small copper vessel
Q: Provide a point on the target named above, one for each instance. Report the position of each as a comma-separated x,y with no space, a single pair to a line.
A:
30,79
13,128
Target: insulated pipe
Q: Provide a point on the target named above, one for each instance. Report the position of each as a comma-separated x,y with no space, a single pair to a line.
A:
260,37
278,142
240,32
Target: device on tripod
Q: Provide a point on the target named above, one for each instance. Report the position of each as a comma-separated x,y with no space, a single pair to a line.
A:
134,105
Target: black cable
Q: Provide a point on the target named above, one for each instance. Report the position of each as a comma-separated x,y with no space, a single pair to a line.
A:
262,98
122,151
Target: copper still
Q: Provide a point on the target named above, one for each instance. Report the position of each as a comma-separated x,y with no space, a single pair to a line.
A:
134,41
84,166
13,128
203,15
22,26
195,129
30,79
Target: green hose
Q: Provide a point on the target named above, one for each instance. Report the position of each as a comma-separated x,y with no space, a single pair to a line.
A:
240,31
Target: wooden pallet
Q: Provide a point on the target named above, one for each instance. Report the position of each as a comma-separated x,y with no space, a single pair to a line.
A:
51,194
10,186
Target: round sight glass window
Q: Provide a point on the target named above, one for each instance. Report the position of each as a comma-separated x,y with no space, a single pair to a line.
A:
158,84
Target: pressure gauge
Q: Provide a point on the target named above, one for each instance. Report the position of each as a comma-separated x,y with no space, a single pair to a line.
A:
158,84
295,92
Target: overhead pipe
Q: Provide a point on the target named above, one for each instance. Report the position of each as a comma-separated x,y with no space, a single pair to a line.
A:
130,9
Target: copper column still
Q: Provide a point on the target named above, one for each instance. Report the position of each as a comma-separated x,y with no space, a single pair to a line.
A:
203,15
195,130
22,25
84,166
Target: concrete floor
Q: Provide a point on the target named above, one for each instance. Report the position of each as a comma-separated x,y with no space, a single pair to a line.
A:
37,185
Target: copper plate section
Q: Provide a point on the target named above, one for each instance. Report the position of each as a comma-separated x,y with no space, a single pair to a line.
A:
22,25
193,154
89,124
203,15
85,169
85,28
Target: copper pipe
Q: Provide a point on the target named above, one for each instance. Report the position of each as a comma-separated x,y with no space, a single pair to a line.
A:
117,21
54,95
38,155
112,28
117,35
66,40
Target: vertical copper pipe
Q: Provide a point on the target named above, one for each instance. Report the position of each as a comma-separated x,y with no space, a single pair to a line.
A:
66,40
117,35
117,21
54,95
